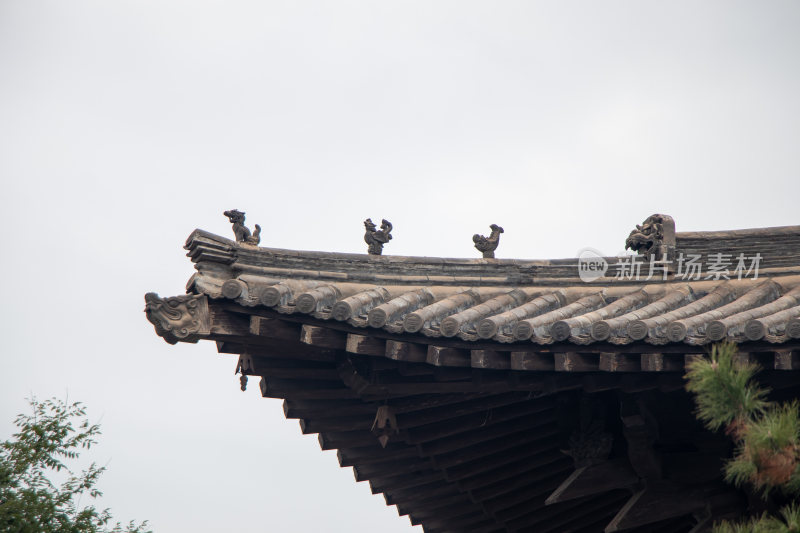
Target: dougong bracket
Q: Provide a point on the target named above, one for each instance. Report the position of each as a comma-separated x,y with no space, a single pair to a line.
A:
376,238
178,318
241,231
487,245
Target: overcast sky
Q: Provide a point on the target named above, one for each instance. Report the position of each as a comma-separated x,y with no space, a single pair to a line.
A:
125,125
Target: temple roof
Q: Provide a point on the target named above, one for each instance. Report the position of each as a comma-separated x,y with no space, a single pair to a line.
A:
494,395
521,301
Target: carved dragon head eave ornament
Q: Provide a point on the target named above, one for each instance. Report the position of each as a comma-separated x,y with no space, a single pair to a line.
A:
654,237
178,318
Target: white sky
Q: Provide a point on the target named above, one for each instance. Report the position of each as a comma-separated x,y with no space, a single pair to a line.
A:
125,125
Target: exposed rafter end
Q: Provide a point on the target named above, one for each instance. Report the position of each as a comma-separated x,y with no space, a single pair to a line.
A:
323,337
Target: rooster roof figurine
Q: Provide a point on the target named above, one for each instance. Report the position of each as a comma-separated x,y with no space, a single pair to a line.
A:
488,245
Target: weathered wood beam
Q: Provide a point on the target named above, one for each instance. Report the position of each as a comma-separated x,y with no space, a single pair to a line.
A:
364,345
576,362
406,351
619,362
444,356
594,479
252,365
427,493
495,431
531,505
530,495
599,382
490,359
567,518
278,350
762,359
345,416
538,439
659,362
468,406
533,451
297,408
323,337
512,484
403,481
273,328
526,467
395,467
532,361
408,405
459,523
656,503
434,503
458,509
374,453
388,391
331,440
787,360
358,423
304,389
481,420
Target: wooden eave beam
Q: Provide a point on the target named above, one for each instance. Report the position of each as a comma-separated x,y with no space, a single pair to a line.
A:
536,438
562,519
436,503
490,359
273,328
294,408
526,467
446,512
406,351
427,493
619,362
459,523
374,453
515,482
486,418
508,455
593,480
323,337
403,481
397,467
526,493
304,389
656,503
496,431
446,356
787,360
365,345
576,362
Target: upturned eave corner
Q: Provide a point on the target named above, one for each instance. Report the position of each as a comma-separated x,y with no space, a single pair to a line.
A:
183,318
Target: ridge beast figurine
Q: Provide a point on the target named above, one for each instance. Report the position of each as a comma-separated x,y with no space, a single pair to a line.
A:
243,234
487,245
376,238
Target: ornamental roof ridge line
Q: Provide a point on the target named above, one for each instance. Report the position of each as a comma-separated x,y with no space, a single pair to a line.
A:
778,248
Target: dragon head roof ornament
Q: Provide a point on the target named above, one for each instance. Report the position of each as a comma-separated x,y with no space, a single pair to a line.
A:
654,238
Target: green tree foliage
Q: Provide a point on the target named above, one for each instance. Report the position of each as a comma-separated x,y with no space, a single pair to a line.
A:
767,435
47,441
